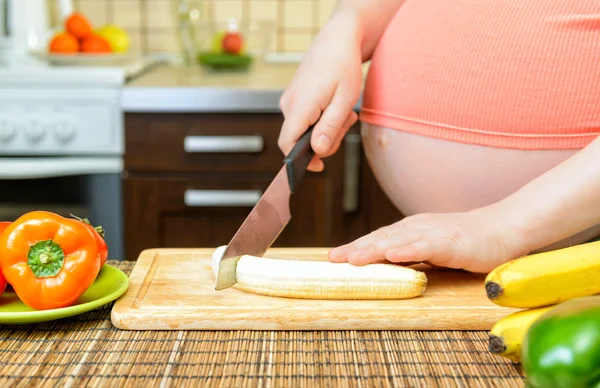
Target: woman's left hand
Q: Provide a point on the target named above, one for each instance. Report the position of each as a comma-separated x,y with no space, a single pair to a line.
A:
475,241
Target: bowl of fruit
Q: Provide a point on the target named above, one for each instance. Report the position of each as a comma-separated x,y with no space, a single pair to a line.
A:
78,42
232,45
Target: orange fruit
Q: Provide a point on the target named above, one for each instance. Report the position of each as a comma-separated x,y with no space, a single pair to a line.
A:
78,25
95,44
63,43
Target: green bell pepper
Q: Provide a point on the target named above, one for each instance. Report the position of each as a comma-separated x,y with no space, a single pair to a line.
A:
562,347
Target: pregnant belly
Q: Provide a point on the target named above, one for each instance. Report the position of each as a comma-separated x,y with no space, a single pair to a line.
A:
426,175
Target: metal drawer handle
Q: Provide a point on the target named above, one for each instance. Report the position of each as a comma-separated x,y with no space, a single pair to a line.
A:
211,144
351,172
216,198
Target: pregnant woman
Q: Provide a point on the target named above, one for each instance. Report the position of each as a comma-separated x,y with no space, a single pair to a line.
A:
479,120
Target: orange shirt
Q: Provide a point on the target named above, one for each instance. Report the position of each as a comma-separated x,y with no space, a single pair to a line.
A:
519,74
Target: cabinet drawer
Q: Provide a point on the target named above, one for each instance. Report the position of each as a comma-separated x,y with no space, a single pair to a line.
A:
219,142
203,212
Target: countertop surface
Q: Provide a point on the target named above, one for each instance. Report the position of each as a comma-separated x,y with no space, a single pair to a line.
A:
177,88
86,350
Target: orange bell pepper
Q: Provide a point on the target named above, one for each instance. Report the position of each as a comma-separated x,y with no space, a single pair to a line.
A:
3,282
49,260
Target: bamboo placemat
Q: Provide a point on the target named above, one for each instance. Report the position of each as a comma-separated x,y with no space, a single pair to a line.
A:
87,350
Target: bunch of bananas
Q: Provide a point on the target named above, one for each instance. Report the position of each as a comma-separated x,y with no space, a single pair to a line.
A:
537,283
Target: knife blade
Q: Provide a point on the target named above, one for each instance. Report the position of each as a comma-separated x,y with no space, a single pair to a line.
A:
270,215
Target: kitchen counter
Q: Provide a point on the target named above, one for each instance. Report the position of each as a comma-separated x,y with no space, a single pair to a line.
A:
86,350
176,88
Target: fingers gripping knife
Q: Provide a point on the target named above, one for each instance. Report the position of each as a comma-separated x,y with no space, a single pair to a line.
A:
269,216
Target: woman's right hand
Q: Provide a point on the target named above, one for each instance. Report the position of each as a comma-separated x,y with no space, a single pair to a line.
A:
326,87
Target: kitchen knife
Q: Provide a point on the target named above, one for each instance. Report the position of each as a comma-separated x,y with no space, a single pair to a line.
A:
269,216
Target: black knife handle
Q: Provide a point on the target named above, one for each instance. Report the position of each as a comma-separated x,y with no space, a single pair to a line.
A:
298,160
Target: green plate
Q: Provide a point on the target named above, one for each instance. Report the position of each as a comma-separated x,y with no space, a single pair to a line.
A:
110,284
224,61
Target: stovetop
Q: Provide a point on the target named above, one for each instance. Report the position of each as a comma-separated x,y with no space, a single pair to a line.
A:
76,110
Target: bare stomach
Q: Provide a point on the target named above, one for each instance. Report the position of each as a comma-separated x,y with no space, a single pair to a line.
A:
426,175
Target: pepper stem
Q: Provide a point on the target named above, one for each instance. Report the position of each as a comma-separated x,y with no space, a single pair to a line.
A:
98,228
45,258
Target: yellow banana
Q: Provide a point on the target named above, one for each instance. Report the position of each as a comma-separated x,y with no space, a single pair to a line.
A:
546,278
324,280
508,333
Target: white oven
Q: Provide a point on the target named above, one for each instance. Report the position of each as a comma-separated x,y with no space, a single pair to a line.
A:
62,145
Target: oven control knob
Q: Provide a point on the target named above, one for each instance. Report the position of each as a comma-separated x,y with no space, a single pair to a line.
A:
8,130
34,130
65,130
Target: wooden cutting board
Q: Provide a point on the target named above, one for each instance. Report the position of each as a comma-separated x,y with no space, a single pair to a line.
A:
173,289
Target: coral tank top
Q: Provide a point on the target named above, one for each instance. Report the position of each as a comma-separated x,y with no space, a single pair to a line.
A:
521,74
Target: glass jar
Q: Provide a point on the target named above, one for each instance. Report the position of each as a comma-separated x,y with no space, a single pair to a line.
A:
187,13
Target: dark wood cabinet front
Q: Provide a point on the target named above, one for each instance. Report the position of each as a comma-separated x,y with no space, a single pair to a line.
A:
203,142
177,200
205,213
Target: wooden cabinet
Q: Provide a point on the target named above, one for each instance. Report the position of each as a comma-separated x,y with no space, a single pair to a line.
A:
192,179
213,143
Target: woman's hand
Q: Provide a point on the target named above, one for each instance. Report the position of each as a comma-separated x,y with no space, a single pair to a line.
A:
326,88
475,241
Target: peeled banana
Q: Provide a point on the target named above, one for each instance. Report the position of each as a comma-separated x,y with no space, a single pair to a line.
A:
508,333
324,280
546,278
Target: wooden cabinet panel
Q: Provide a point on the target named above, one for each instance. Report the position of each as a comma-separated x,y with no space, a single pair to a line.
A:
246,142
158,215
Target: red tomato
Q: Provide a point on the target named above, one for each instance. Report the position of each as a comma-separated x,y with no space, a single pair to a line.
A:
3,283
232,43
100,243
98,232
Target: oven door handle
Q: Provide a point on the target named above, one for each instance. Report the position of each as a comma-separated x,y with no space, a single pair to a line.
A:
50,167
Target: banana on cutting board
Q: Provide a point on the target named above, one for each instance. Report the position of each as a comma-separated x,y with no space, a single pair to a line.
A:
324,280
